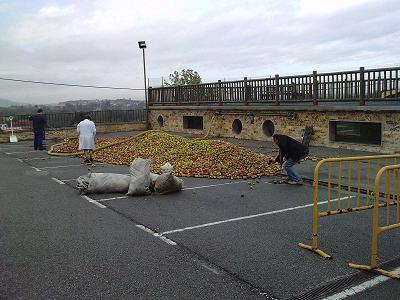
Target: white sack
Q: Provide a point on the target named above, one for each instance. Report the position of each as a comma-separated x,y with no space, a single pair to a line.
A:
140,177
168,183
103,183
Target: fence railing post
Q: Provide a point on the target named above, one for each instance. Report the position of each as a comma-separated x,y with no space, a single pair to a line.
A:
162,96
178,94
246,100
362,87
315,88
150,96
204,99
219,93
277,96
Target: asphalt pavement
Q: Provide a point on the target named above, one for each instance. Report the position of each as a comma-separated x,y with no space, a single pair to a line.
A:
216,239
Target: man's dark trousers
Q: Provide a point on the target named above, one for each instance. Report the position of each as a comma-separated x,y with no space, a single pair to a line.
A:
38,139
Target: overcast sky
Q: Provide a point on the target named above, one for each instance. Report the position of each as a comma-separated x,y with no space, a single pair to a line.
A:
95,42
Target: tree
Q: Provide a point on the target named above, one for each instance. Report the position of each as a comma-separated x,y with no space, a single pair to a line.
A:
185,77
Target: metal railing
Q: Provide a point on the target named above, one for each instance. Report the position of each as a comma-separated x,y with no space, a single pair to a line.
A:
391,201
65,120
350,86
337,177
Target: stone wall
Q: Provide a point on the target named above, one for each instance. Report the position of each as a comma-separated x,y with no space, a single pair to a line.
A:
287,120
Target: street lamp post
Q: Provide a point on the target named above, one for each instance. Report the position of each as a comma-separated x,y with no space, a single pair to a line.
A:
142,45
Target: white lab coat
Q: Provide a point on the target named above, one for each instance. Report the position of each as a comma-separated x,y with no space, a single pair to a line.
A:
87,131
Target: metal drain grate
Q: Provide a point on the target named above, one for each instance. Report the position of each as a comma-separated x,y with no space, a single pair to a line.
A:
343,283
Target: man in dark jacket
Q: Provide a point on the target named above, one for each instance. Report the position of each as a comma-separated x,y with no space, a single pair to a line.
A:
290,153
38,124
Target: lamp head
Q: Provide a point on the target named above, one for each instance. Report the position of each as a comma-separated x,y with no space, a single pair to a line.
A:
142,44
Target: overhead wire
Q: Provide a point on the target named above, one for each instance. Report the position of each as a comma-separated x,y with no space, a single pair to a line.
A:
71,85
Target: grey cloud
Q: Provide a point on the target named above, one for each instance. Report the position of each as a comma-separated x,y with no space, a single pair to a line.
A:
271,38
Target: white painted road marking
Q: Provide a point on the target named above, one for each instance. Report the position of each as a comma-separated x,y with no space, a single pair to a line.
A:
9,146
36,169
112,198
361,287
213,185
157,235
209,268
68,180
67,166
21,152
42,158
184,189
57,180
20,160
93,201
248,217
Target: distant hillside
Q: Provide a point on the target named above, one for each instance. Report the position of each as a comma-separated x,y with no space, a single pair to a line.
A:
8,107
98,105
8,103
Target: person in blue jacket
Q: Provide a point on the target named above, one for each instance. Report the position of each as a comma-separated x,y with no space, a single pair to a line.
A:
38,123
290,153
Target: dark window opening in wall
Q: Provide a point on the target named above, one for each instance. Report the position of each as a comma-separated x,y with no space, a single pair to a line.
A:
160,121
268,128
237,126
192,122
356,132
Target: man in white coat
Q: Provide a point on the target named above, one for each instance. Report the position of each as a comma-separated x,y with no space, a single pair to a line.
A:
87,132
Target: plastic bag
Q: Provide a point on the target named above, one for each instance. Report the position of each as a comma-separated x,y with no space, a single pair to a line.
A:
167,168
103,183
140,177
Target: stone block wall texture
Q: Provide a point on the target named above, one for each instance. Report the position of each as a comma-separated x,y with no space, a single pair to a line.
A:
292,126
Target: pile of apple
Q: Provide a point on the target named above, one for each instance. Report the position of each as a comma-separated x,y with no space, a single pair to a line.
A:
198,158
70,145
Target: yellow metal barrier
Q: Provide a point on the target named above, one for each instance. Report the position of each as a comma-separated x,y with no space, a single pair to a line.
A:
388,196
344,179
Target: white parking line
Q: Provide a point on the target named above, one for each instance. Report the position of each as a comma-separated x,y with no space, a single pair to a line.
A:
57,180
21,152
213,185
42,158
112,198
157,235
249,217
184,189
66,166
93,201
68,180
361,287
36,169
12,148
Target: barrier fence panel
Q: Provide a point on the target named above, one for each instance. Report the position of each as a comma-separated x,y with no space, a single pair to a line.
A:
350,178
56,120
390,176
